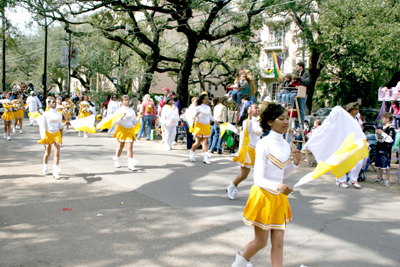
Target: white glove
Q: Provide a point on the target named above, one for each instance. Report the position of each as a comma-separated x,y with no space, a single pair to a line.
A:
41,111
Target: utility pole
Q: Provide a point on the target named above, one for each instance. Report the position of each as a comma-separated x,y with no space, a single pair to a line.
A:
44,80
69,63
3,28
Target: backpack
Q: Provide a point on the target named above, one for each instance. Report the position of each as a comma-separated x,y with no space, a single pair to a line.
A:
149,108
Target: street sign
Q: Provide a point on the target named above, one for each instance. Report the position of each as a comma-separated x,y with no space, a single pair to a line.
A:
64,57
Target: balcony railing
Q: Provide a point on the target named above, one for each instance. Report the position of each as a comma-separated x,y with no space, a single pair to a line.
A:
275,46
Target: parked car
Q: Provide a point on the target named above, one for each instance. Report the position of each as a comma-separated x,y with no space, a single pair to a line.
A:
368,116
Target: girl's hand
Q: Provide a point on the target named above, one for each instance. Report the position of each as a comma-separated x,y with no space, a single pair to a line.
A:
284,189
297,155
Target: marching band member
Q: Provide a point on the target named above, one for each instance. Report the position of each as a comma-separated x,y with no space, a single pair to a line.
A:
8,116
47,102
63,110
19,113
84,110
169,118
32,104
202,130
247,153
50,131
126,132
70,107
112,107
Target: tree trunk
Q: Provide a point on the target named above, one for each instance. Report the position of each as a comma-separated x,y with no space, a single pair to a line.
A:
185,71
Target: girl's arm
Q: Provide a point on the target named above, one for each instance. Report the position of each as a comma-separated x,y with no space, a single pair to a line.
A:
260,166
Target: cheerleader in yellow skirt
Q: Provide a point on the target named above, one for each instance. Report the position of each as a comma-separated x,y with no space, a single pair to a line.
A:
126,132
8,116
202,129
63,110
84,110
70,107
50,130
19,108
268,208
247,153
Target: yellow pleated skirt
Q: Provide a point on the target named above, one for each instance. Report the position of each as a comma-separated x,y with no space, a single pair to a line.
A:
68,115
125,135
83,115
246,157
51,138
19,114
201,130
267,209
8,116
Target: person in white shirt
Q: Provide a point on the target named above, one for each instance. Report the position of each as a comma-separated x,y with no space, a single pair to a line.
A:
268,208
50,133
201,129
169,118
85,110
112,107
247,154
125,132
32,104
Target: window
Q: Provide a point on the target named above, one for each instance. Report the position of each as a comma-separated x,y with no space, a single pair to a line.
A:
216,88
277,37
209,86
274,91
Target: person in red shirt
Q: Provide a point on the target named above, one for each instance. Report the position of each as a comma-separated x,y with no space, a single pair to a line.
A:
149,113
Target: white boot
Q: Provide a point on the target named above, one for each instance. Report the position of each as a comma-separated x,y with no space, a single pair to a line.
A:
56,172
131,164
45,169
232,191
192,155
116,163
205,160
240,261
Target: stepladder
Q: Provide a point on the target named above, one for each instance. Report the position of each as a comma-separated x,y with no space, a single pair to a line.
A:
290,132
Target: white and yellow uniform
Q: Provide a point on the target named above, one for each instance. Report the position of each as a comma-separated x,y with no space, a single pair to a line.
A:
19,108
251,135
84,109
63,110
126,130
202,123
169,118
70,107
8,114
50,127
266,207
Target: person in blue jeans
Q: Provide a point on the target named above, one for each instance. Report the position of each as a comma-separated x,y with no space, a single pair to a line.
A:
304,81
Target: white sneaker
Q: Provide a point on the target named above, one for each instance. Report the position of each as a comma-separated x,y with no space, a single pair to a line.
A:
67,131
356,185
387,183
232,191
240,261
85,136
161,141
31,124
45,169
192,156
56,172
80,134
131,164
205,158
5,136
168,148
21,132
14,130
342,185
174,143
235,154
116,163
9,138
17,127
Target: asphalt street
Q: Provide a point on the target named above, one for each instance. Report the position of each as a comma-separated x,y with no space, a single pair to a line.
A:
173,212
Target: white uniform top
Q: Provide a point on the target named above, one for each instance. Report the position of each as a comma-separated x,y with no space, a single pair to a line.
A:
254,129
205,114
272,164
130,118
112,107
52,121
93,108
33,103
169,116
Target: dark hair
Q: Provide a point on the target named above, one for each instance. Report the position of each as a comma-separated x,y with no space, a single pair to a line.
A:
301,64
387,115
396,104
215,101
272,112
108,97
244,116
246,97
174,97
201,98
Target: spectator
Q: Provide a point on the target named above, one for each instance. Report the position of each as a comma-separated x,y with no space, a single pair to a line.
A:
237,89
245,104
221,115
149,113
283,87
214,102
304,81
107,101
289,98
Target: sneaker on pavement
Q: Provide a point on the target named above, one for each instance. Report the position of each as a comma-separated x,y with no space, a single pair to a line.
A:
14,130
85,136
356,185
232,191
79,134
116,160
387,183
45,169
9,138
5,136
21,132
377,180
174,143
343,185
